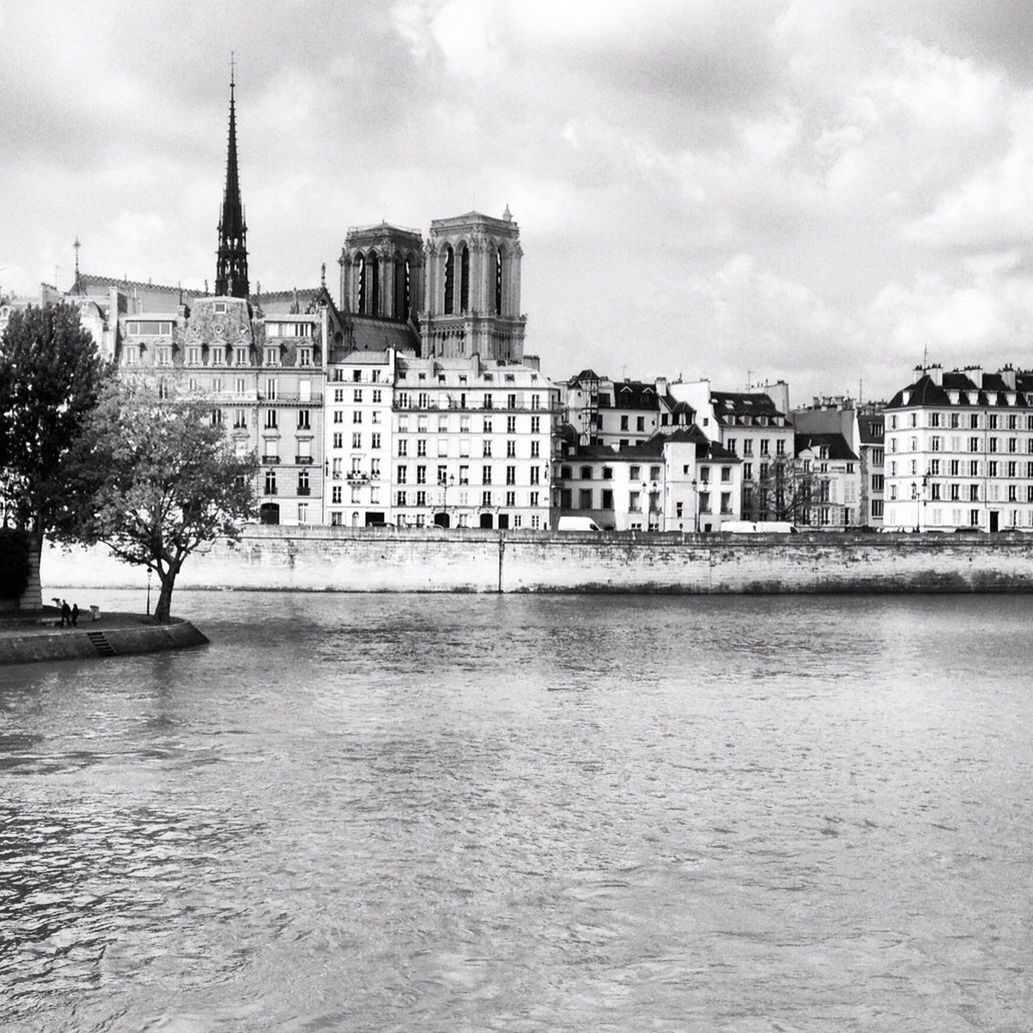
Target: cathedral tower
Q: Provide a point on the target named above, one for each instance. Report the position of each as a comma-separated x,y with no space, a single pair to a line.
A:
231,265
473,288
382,272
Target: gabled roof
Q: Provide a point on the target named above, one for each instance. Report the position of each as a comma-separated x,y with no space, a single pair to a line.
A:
835,443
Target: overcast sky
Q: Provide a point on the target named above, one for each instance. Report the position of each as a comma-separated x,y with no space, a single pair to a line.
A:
820,191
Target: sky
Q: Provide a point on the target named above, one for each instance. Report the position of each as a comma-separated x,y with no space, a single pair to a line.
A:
827,192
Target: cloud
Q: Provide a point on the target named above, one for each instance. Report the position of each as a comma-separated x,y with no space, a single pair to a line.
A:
813,190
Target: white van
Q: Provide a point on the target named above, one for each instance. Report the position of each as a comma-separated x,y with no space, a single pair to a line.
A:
573,523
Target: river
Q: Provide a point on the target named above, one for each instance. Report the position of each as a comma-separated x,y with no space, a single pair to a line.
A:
526,813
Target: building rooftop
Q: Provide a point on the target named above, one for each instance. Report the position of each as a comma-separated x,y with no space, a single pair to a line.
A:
836,445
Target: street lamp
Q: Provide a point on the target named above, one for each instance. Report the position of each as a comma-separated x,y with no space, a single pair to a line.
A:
695,506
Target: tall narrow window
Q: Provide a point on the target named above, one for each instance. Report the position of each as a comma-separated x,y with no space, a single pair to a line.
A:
464,284
360,283
450,275
498,280
374,284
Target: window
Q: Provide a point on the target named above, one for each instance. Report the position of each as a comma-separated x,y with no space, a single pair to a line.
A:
400,499
270,419
585,498
634,473
272,356
303,420
403,446
421,474
764,447
511,450
780,447
270,482
640,423
356,438
486,447
511,475
374,441
339,441
304,356
633,502
486,474
747,447
624,423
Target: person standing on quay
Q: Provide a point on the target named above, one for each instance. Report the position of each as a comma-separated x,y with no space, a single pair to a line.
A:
66,614
75,615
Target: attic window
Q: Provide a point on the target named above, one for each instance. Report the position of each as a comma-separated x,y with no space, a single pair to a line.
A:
489,376
973,397
509,378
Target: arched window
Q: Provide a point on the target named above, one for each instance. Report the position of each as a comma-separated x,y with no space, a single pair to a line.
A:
450,276
374,284
360,284
401,300
498,280
464,279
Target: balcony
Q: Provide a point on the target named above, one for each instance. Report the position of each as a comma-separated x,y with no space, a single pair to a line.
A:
356,478
304,489
270,460
303,460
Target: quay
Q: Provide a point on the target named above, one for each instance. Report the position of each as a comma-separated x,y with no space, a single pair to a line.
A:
318,558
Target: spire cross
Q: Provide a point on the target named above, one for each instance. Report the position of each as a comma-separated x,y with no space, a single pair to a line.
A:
231,69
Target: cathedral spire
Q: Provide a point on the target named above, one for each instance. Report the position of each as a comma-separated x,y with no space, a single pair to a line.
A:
231,266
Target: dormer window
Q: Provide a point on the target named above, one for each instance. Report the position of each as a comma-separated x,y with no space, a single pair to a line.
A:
272,356
304,356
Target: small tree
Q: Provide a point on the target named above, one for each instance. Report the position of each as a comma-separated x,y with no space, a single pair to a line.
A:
50,378
157,480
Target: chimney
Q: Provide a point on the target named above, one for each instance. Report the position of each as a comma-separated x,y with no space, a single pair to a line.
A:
1008,376
935,374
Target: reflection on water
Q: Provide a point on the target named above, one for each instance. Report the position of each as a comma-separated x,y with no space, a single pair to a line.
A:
526,813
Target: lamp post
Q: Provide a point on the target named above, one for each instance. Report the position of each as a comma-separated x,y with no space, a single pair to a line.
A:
695,505
149,572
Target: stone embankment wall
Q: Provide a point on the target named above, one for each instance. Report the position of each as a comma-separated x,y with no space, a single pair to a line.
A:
435,560
77,643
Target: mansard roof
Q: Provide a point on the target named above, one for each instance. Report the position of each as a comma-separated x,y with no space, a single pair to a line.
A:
966,388
634,394
585,374
705,447
835,443
870,427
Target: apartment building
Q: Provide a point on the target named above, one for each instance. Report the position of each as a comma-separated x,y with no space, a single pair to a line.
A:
959,451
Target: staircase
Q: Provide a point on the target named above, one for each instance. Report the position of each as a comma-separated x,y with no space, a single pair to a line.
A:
100,643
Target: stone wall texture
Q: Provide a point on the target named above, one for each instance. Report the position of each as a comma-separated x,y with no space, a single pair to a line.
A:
323,559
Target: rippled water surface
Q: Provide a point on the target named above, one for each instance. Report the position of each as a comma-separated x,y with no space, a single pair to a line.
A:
467,813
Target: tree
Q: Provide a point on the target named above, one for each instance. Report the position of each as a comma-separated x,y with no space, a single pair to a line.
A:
50,378
156,481
788,490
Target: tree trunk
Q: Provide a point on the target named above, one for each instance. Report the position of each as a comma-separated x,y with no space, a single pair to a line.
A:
163,608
